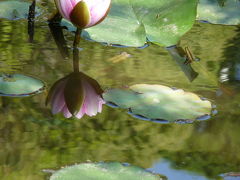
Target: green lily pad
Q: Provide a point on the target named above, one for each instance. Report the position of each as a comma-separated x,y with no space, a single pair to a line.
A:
228,13
120,27
14,10
158,102
103,171
19,85
131,22
165,21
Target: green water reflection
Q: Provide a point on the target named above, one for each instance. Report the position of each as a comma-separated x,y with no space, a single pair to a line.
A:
31,139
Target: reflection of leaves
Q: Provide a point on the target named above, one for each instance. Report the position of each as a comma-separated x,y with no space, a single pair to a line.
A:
14,49
159,102
228,13
203,154
103,171
32,134
130,22
230,70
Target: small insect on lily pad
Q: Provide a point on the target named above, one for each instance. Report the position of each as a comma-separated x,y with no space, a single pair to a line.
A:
160,103
104,171
14,10
18,85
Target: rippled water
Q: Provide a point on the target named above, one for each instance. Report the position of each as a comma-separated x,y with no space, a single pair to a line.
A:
32,139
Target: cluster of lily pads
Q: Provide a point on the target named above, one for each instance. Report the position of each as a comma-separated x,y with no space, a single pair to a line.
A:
160,22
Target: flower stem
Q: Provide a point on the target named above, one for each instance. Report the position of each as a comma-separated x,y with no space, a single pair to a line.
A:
57,33
76,50
55,18
31,17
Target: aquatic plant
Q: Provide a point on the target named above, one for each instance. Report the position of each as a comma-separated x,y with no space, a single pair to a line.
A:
106,171
83,13
75,95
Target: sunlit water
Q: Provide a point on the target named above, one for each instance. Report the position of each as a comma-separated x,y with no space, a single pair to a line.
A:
32,139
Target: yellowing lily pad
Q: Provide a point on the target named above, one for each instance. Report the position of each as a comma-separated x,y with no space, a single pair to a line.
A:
158,102
104,171
14,10
19,85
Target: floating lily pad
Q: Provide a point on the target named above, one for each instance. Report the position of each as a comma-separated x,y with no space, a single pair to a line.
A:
14,10
228,13
165,21
132,22
103,171
230,176
19,85
160,103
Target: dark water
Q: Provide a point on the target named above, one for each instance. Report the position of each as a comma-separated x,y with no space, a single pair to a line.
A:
32,139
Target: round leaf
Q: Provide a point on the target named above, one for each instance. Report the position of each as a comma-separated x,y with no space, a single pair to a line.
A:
103,171
165,21
19,85
157,102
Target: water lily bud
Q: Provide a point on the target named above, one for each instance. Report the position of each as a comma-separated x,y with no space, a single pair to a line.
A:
83,13
75,95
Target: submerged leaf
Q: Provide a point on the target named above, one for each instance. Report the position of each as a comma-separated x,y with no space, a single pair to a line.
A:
14,10
18,85
158,102
103,171
227,13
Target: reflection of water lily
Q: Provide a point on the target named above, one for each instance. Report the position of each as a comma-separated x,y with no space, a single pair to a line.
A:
75,95
83,13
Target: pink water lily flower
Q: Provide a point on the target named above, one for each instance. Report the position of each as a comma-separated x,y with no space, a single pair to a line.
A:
83,13
75,95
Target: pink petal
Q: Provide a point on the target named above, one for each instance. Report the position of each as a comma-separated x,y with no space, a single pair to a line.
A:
66,112
66,7
91,101
98,9
57,99
81,112
100,103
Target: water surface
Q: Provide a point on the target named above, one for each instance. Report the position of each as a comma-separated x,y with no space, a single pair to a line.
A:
32,139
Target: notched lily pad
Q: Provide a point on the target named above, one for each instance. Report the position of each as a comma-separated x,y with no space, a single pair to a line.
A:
18,85
160,103
14,10
104,171
227,13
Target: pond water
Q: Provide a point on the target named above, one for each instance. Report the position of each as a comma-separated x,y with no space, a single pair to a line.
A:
32,139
